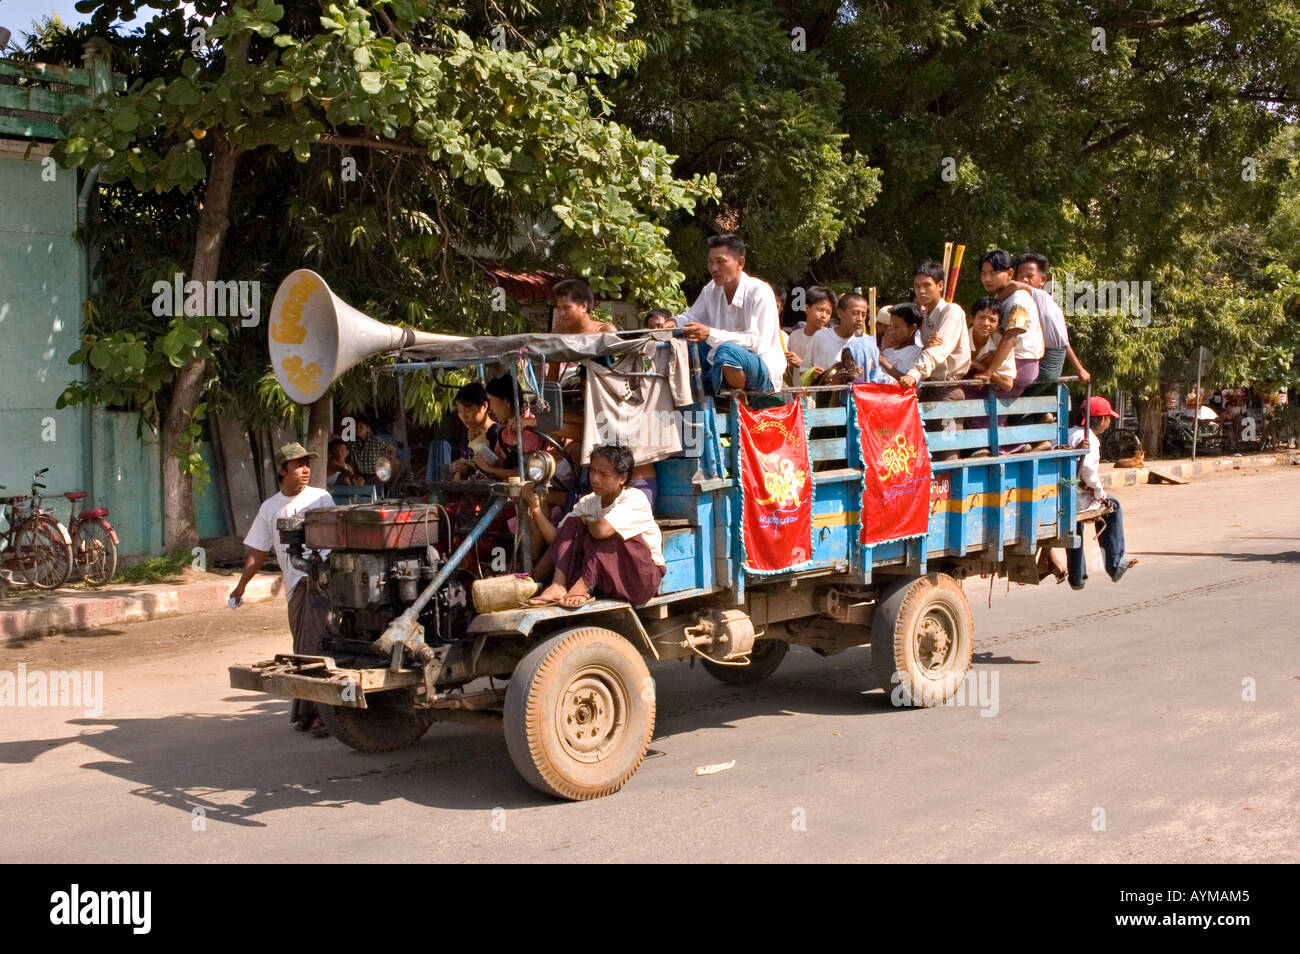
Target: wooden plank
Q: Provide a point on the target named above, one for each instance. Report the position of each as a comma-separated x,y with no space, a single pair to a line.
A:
937,410
1007,436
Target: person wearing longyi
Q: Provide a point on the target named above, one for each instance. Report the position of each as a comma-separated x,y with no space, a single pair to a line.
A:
308,611
734,321
608,545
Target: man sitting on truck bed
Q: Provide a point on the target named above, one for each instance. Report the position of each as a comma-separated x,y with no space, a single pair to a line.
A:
735,319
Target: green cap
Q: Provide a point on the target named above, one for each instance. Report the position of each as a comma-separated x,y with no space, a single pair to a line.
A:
292,451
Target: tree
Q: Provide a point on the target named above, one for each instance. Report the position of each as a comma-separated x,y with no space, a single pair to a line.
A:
502,137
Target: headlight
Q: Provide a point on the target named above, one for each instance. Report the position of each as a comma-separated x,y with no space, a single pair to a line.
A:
383,469
539,466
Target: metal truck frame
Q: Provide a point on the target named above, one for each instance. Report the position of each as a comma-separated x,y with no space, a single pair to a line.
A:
571,689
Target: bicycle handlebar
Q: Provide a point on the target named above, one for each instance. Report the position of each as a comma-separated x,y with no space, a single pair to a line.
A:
42,472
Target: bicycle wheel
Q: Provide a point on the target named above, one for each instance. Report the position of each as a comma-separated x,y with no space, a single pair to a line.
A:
43,552
94,552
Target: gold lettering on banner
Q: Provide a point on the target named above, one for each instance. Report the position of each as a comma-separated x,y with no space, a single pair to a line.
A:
302,378
897,459
289,329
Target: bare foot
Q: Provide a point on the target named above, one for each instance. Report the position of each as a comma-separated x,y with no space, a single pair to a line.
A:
577,596
548,596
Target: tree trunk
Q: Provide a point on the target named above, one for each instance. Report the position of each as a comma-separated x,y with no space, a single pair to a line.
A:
319,424
180,526
1150,409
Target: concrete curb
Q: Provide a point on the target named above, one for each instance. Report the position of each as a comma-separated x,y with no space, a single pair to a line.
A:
70,611
1188,470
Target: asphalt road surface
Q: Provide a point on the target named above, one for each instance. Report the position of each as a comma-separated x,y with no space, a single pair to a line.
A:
1151,720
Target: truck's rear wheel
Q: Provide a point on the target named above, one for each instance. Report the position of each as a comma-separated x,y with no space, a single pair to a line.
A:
921,640
763,660
386,725
579,713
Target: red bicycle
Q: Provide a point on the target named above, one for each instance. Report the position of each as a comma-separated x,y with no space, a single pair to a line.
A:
33,541
94,542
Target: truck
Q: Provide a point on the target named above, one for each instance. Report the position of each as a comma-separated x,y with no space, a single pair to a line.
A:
572,690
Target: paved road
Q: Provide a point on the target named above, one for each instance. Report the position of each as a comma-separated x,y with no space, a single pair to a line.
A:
1120,734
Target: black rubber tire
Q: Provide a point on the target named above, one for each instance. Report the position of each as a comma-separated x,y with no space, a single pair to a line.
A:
904,622
547,717
95,536
386,725
44,559
764,659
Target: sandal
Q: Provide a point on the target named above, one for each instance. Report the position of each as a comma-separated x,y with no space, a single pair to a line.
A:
318,728
583,600
539,601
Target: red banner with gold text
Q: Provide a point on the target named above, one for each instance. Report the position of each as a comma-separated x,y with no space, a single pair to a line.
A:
776,488
895,464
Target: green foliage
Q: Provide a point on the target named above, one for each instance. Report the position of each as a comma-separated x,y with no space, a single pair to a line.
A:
160,569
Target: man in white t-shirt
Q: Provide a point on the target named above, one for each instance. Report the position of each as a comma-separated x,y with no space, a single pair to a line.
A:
829,344
308,612
735,319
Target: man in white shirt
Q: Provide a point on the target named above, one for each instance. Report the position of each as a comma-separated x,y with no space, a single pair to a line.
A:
1091,495
829,344
735,320
946,353
308,612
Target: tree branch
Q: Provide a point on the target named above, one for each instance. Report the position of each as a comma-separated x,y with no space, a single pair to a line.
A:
1105,142
330,139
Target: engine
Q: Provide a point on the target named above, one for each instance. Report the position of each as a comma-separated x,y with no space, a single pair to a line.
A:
380,557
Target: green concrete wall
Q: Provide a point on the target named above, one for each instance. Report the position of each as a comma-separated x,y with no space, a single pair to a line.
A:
40,301
128,480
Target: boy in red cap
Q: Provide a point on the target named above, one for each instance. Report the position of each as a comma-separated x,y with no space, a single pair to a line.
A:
1092,496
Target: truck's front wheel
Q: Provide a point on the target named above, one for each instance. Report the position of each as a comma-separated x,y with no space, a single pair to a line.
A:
579,713
921,640
387,724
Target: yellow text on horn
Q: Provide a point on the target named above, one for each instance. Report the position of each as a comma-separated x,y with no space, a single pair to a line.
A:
302,378
289,329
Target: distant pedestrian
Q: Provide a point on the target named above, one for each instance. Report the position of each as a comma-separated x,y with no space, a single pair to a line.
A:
308,612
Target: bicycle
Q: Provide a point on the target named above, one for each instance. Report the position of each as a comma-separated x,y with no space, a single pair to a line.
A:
94,541
34,540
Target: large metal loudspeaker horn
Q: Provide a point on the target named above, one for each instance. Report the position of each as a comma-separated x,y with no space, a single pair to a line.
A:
315,336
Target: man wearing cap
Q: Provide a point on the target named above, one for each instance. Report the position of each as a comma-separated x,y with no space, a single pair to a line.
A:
308,611
1091,496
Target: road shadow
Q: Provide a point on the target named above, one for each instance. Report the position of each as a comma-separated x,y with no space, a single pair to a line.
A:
990,659
1284,556
240,768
